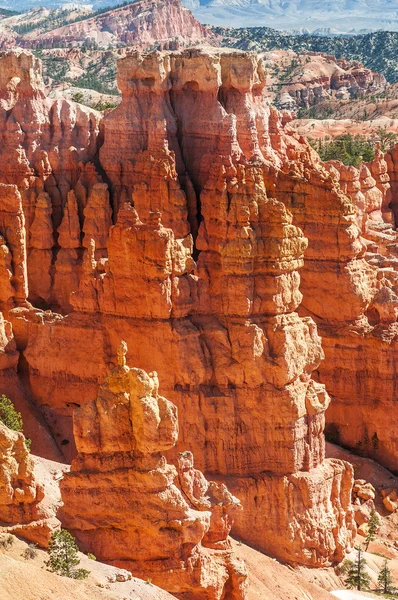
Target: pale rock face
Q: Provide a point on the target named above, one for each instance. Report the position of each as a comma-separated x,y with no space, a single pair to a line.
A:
142,23
8,349
123,502
21,509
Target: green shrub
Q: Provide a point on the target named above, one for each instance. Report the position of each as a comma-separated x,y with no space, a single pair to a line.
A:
63,556
101,105
11,417
6,541
78,97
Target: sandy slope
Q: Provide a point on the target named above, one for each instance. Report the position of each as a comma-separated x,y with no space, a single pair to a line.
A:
269,580
22,579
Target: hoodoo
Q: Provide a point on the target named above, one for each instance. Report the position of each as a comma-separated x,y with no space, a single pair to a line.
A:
124,502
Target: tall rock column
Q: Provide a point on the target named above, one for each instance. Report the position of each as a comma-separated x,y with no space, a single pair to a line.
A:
123,503
40,256
12,230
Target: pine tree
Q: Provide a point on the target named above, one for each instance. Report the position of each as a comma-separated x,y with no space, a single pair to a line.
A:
357,577
385,580
63,556
373,526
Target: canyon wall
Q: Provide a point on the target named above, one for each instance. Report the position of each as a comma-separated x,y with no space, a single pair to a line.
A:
181,231
360,333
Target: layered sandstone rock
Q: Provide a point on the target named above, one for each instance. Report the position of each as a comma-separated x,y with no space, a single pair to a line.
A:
201,278
46,147
358,322
21,508
126,504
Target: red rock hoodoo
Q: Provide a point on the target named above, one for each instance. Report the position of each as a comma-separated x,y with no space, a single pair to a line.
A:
124,502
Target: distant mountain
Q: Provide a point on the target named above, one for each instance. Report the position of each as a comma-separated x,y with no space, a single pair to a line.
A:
340,15
142,24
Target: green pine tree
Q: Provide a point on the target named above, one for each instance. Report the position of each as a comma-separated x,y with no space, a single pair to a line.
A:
373,526
63,556
357,577
385,580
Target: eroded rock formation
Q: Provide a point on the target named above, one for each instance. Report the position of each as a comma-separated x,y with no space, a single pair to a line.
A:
124,502
200,276
46,149
350,289
21,508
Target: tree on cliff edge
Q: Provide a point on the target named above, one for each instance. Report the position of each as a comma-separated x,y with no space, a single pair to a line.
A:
357,577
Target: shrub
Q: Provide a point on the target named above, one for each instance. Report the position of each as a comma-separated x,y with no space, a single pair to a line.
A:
63,556
30,552
91,556
11,417
78,97
101,105
6,541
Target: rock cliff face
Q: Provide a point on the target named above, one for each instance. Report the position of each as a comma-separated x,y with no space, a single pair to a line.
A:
22,510
46,149
200,274
124,502
360,334
303,80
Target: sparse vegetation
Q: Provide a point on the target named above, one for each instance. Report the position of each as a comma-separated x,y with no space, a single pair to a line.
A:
348,149
30,552
78,97
63,558
11,417
6,541
101,105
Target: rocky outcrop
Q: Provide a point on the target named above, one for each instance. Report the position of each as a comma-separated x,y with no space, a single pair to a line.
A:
22,510
210,196
358,322
302,80
126,504
45,161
